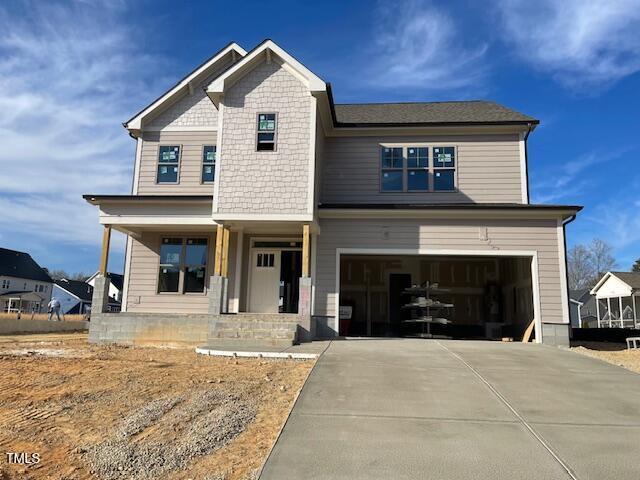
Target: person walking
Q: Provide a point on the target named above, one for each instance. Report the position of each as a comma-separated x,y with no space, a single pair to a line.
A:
54,307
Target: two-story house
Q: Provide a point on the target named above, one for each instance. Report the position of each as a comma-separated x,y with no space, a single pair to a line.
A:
24,285
260,207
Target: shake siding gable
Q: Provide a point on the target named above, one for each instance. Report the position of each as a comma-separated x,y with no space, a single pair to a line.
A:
488,168
190,173
265,182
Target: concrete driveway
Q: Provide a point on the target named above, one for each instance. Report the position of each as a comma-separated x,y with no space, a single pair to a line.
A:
427,409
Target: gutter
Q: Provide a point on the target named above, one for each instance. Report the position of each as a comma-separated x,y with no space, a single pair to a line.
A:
566,265
526,156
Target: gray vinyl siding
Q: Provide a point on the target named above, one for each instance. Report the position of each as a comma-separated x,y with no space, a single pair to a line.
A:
190,173
143,293
488,170
529,235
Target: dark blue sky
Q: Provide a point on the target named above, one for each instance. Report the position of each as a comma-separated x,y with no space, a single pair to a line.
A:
77,70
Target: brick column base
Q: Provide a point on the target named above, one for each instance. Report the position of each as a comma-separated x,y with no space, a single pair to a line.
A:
304,310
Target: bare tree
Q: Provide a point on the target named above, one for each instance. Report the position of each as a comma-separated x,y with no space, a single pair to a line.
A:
587,264
601,257
579,267
58,274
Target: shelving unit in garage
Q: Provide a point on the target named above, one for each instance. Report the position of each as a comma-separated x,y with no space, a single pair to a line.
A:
424,310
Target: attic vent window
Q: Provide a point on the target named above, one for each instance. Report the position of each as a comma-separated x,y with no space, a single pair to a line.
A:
267,129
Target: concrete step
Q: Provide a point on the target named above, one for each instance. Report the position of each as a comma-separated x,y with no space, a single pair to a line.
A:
252,334
226,324
253,344
261,317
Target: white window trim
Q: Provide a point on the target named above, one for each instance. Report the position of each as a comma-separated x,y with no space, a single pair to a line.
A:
182,265
202,164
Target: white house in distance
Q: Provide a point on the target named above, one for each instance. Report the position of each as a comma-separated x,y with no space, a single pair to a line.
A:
115,284
24,285
618,300
75,297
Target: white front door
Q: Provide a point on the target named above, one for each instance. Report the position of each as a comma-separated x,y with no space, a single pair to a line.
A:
264,292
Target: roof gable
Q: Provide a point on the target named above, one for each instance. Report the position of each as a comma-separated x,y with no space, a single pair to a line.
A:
269,51
617,284
21,265
136,123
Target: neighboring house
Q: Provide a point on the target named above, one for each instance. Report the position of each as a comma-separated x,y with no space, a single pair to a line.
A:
24,285
618,300
75,297
254,193
582,309
115,284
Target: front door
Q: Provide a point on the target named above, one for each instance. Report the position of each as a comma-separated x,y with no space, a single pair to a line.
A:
264,292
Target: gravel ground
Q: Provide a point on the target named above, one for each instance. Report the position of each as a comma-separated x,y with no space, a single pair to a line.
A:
139,413
611,352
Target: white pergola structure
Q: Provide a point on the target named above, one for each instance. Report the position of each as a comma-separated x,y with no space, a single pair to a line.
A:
16,300
618,300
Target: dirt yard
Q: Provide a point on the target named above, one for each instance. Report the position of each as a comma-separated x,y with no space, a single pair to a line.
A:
138,413
611,352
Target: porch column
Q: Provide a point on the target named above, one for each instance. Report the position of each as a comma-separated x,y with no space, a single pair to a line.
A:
218,284
635,313
100,297
598,310
304,300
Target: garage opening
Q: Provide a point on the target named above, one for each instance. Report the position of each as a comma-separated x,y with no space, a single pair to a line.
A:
461,297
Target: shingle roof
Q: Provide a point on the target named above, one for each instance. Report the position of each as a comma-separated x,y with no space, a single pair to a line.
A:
630,278
116,280
82,290
21,265
466,112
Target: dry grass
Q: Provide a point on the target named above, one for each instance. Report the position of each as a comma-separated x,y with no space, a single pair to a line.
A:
63,397
614,353
42,316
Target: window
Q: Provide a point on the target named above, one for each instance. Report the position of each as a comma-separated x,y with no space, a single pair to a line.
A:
266,132
444,162
408,169
183,265
392,165
417,168
168,164
266,260
6,284
209,155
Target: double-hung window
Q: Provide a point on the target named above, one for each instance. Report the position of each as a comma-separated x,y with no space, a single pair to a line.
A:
168,164
183,265
392,169
266,133
417,168
209,163
444,169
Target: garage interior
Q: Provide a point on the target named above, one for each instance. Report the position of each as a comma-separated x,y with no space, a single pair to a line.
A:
481,297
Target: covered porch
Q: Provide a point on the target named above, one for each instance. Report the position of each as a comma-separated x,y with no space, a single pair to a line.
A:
186,263
618,300
21,302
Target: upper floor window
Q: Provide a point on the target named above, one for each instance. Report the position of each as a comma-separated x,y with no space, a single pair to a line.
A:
266,134
183,265
444,168
209,163
168,164
6,283
409,169
392,169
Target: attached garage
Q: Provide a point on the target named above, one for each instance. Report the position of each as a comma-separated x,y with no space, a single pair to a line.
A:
502,266
475,297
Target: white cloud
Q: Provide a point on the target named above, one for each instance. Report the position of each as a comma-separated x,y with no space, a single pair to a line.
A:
568,180
69,76
420,45
584,44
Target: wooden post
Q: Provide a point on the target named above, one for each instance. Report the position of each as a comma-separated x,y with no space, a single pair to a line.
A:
225,253
217,266
305,251
104,258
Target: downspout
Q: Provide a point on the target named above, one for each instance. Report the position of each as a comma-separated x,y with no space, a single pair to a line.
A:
566,267
526,157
